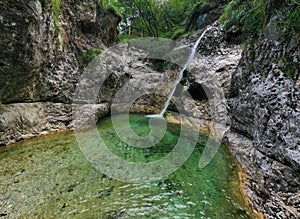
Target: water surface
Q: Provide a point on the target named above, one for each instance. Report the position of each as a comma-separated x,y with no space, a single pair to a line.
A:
49,177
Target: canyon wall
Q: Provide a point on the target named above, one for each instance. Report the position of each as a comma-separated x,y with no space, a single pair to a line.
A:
44,47
265,107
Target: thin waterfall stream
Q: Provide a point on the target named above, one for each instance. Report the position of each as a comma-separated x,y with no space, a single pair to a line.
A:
50,176
179,78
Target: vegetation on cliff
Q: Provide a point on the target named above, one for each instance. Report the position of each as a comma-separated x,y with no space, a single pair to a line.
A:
251,16
169,18
84,58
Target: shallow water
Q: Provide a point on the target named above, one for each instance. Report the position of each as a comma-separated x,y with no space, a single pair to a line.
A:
49,177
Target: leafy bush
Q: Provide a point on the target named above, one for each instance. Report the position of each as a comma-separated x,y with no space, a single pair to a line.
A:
289,25
249,16
154,18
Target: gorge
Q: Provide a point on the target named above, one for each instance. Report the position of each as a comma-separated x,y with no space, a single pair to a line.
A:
45,49
190,57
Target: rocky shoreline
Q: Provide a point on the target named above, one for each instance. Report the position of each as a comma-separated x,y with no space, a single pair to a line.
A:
260,100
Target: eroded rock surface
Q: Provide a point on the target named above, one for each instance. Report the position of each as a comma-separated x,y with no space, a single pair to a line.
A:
41,51
40,45
21,121
264,100
262,96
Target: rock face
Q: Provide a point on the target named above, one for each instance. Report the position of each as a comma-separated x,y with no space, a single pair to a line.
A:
40,67
42,45
39,43
210,70
21,121
265,107
211,75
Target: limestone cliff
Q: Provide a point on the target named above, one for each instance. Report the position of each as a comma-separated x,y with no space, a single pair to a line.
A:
265,107
43,47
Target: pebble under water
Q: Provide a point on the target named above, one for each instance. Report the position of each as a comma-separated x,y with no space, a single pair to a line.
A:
49,177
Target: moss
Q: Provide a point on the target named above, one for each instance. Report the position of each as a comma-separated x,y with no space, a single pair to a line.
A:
289,68
84,58
58,42
56,10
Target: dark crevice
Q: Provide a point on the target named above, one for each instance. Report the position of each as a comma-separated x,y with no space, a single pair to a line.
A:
2,64
200,92
245,134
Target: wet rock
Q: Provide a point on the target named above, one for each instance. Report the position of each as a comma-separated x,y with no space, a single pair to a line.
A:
26,120
263,99
264,103
38,51
39,61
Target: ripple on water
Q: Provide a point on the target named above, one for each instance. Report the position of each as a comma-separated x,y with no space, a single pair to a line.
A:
50,177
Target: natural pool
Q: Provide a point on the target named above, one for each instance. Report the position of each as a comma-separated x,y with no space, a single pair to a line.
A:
49,177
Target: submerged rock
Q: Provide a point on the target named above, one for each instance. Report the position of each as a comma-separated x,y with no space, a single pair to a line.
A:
40,67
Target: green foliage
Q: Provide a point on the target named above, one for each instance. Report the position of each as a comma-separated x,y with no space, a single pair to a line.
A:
84,58
56,9
254,19
289,68
198,9
144,18
179,32
232,14
289,25
112,9
293,19
250,16
247,15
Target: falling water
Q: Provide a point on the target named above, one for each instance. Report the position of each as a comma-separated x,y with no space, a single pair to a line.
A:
191,56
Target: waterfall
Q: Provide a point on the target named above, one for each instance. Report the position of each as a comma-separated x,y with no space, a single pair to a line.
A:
189,59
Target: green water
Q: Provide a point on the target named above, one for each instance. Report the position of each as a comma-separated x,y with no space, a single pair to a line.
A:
49,177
